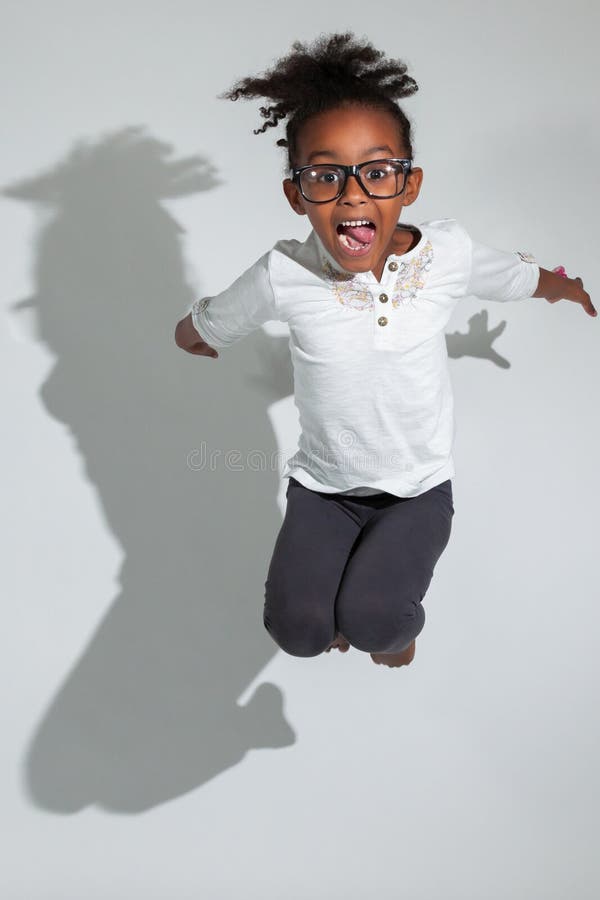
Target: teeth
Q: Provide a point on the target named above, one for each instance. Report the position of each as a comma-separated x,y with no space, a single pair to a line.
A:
357,222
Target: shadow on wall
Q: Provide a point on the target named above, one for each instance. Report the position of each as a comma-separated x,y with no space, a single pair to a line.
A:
149,711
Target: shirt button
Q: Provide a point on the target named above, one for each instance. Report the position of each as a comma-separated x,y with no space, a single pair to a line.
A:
382,320
393,266
383,298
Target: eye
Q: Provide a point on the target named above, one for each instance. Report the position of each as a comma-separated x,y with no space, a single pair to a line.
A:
328,177
379,172
322,175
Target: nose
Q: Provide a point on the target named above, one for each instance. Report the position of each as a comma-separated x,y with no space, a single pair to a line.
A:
353,192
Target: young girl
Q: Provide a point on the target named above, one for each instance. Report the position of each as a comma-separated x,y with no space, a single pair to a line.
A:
369,498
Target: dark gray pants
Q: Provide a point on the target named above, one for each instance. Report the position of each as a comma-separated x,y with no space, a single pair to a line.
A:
357,565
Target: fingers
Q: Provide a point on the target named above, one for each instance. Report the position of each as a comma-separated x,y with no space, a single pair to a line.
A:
203,350
585,301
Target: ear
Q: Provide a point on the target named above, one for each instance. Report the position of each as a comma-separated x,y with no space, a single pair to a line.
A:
294,197
415,180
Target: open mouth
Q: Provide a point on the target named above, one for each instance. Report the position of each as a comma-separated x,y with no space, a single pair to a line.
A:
356,235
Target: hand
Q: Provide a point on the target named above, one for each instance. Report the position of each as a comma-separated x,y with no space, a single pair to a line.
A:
577,293
574,292
191,341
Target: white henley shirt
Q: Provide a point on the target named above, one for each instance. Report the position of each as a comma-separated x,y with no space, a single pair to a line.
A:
371,379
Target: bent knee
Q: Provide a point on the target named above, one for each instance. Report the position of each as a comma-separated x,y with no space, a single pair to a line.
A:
299,636
379,633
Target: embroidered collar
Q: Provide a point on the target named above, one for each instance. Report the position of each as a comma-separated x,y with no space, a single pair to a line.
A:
352,289
345,275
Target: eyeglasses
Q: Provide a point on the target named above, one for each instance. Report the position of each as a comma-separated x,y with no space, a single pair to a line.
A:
380,178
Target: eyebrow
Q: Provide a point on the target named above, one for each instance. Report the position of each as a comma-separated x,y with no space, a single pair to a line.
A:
312,155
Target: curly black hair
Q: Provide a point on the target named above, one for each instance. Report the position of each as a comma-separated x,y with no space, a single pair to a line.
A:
336,70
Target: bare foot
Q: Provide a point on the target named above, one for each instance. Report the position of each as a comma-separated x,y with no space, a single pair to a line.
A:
404,658
340,642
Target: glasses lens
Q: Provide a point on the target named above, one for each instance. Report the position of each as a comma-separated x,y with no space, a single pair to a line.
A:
383,177
321,182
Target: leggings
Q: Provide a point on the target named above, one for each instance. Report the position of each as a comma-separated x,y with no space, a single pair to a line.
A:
355,565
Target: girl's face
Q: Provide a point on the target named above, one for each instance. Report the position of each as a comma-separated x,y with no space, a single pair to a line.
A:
348,135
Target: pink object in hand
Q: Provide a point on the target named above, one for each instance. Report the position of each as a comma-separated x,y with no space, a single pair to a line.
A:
560,270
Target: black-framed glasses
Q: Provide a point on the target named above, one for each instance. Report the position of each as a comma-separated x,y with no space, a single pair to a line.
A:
379,178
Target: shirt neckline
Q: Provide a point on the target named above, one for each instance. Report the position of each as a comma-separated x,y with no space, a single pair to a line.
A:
408,254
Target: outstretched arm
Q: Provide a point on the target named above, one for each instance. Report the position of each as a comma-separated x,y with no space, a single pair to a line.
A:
223,320
554,286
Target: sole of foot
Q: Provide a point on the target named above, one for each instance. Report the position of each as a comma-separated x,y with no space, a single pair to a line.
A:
340,642
404,658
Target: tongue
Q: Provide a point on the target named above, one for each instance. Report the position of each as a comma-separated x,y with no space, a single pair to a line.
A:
362,233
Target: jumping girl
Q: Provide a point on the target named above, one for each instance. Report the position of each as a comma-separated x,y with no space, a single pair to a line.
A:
366,299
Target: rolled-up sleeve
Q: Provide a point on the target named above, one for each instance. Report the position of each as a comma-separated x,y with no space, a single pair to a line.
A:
226,318
500,274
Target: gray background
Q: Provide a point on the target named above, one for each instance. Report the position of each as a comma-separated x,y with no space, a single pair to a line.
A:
156,743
